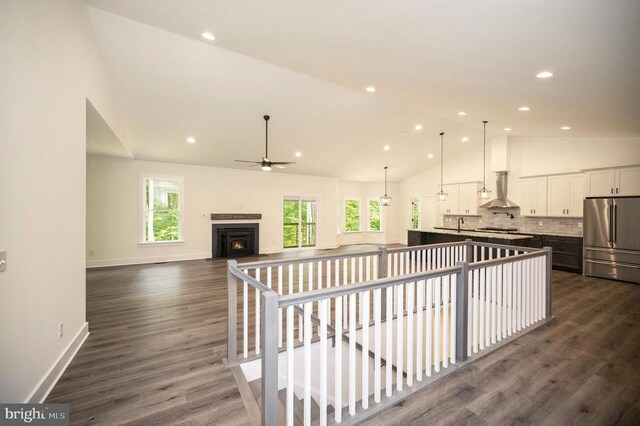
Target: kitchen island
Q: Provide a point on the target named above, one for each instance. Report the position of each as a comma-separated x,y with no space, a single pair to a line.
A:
567,250
437,236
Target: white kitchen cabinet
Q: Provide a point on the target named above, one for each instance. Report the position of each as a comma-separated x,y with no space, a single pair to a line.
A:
627,181
575,196
620,181
600,183
565,194
534,196
452,204
462,199
468,200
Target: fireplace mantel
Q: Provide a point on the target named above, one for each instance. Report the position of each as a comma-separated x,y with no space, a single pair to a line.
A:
236,216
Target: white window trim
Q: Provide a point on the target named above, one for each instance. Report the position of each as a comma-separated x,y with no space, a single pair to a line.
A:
344,215
419,213
141,221
369,199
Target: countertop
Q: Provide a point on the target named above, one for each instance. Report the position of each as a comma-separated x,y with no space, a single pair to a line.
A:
472,233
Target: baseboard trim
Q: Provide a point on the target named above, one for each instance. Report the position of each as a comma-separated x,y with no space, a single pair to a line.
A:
146,260
207,255
42,390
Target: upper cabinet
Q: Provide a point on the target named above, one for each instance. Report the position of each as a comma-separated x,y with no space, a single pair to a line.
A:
462,199
621,181
565,194
469,198
628,181
534,196
451,204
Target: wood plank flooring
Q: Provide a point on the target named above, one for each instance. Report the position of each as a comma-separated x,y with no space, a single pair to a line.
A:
158,337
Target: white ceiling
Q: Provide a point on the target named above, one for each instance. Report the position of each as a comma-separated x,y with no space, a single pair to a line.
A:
100,138
307,64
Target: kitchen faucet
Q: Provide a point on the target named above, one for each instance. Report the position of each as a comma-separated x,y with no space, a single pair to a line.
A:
460,219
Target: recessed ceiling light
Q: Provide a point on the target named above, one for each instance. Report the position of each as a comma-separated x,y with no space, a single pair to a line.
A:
418,126
298,154
208,36
565,128
370,89
387,148
507,129
430,156
191,139
462,113
524,108
544,74
465,139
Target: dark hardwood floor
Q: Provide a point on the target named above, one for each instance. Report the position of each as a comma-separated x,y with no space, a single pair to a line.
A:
158,337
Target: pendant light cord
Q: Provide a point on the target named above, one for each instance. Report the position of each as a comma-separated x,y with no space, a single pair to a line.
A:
484,159
385,181
441,160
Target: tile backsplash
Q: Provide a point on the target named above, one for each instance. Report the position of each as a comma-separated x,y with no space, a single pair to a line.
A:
569,226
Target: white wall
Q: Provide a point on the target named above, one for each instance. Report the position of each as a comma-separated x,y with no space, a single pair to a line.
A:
113,208
113,203
527,156
364,191
50,66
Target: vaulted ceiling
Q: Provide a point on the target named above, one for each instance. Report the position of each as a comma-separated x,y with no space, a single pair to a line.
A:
307,64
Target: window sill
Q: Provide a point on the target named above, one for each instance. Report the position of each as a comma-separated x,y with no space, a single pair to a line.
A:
153,243
352,232
376,232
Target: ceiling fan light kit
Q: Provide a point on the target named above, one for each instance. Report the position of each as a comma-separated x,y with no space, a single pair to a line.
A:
265,164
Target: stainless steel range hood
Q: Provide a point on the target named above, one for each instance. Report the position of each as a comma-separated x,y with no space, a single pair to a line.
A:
501,201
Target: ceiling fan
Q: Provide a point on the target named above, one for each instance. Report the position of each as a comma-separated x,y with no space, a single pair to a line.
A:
266,164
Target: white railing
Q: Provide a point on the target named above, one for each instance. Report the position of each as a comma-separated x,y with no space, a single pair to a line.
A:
396,319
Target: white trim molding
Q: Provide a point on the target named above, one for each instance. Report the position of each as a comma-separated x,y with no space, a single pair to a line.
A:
42,390
145,260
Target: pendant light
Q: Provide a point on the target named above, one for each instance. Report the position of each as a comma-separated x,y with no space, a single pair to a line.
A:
385,200
484,193
441,196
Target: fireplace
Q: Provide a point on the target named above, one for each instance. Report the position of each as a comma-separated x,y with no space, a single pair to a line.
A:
234,240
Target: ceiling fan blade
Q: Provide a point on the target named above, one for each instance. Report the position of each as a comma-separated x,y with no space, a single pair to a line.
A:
283,162
247,161
278,166
255,165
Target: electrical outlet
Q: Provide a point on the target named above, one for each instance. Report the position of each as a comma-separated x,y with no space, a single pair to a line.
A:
60,330
579,224
540,222
90,252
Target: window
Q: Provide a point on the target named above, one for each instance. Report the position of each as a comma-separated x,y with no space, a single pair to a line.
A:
299,222
351,216
162,209
375,223
415,213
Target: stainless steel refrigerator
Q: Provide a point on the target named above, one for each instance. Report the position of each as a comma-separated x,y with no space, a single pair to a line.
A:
612,238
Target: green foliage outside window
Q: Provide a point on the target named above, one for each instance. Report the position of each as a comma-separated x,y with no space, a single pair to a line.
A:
299,223
291,225
351,215
374,215
162,210
415,213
